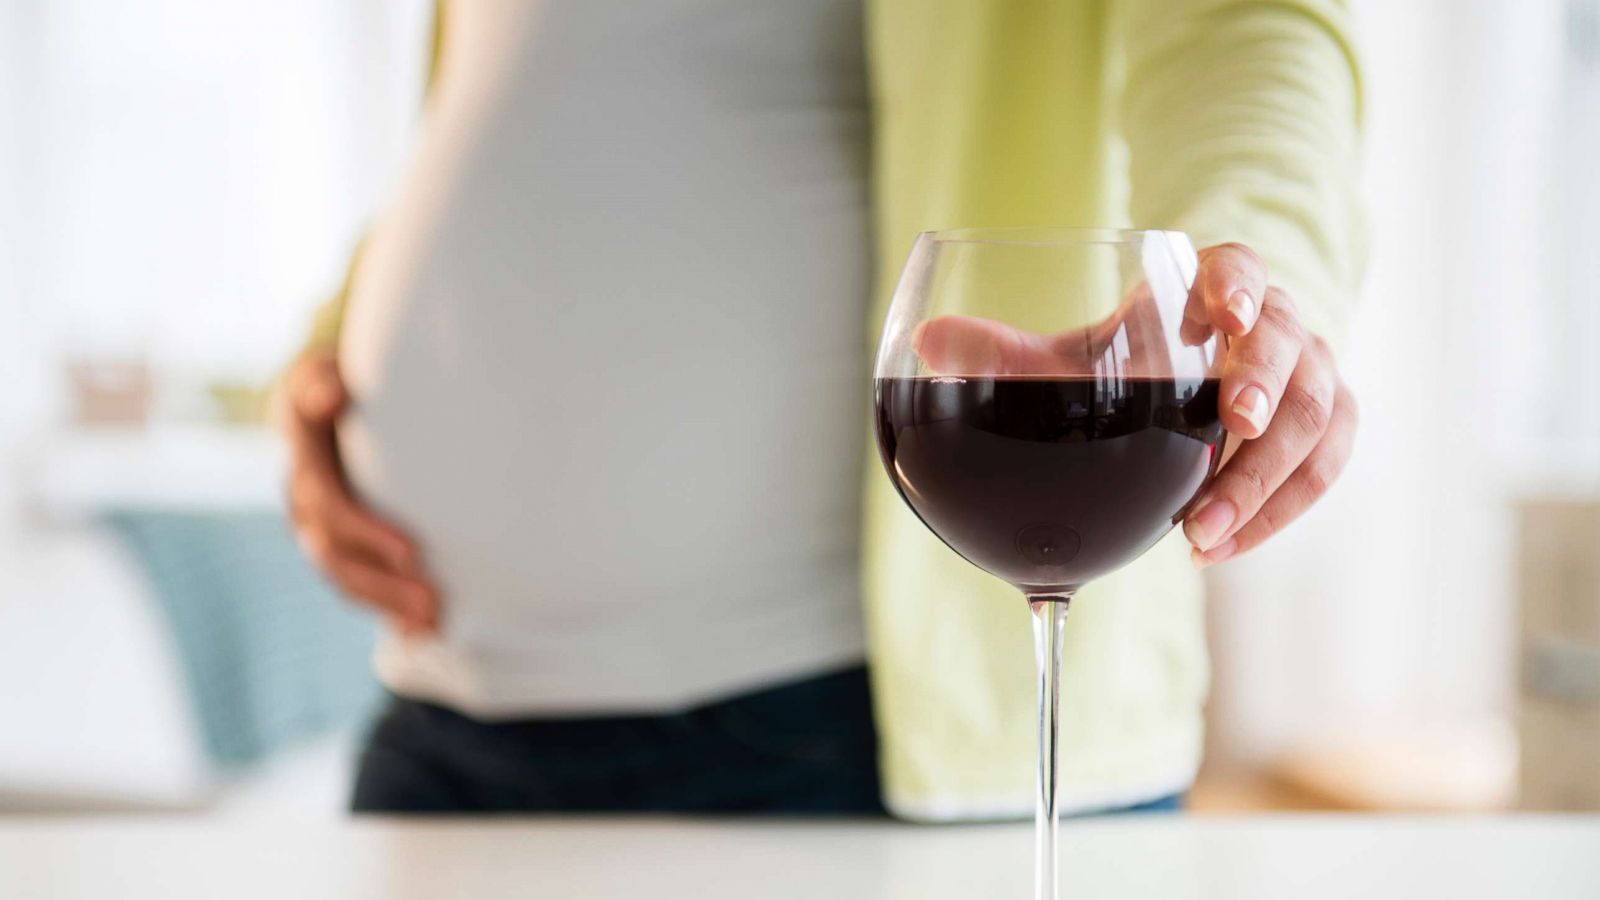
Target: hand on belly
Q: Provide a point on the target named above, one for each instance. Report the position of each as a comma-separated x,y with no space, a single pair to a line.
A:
372,561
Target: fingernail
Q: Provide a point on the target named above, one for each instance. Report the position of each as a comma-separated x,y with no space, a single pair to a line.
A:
1243,308
1209,523
1252,404
1212,557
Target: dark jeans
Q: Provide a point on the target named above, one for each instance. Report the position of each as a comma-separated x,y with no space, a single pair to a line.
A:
804,747
808,747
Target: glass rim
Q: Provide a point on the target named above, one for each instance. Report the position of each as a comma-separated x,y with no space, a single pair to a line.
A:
1043,235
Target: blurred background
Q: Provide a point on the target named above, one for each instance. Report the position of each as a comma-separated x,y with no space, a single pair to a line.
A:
181,182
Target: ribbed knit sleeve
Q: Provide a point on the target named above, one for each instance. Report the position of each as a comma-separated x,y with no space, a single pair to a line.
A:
1242,124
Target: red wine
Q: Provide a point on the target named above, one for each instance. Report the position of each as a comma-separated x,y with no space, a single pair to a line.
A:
1048,482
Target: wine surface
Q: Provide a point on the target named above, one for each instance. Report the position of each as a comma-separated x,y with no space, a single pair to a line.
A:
1048,482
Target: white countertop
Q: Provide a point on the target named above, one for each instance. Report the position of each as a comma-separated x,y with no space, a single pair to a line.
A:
1545,857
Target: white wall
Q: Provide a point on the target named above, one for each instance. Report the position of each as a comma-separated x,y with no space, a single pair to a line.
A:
180,180
1391,607
193,173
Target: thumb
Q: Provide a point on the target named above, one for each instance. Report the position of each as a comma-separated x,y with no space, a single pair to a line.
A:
317,389
967,345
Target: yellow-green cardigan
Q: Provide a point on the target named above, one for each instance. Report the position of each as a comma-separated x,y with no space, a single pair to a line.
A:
1228,119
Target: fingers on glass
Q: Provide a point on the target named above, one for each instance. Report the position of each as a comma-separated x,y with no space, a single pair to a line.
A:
966,345
1310,480
1229,289
1259,366
1270,481
969,345
1129,342
1033,302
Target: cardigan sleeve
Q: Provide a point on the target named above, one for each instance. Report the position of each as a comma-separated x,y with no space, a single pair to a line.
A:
1242,121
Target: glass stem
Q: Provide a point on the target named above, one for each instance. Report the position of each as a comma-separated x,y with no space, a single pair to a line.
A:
1049,621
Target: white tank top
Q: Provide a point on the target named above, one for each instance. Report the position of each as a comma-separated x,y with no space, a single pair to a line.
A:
608,357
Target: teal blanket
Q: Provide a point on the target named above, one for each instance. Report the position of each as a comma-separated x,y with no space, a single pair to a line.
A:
270,653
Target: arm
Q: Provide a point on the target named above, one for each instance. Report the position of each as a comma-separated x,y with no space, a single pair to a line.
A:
1242,126
370,559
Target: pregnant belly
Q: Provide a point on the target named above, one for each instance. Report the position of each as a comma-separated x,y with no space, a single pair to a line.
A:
566,504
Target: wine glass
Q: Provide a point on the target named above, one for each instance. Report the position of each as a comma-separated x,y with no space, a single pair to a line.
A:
1046,403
